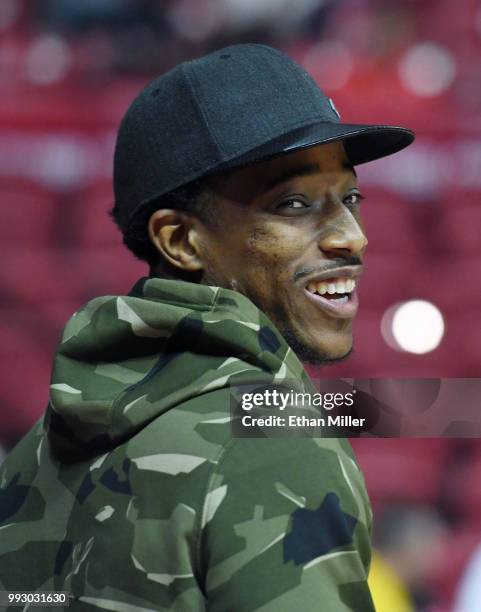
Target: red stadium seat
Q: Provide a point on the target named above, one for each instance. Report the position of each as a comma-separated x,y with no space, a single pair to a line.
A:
108,271
98,228
28,340
28,212
468,492
390,224
388,278
35,276
402,469
461,225
449,282
25,397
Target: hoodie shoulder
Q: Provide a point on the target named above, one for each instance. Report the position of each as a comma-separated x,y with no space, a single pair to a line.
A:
125,360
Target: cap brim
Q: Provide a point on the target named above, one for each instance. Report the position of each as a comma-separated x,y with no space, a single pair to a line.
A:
363,143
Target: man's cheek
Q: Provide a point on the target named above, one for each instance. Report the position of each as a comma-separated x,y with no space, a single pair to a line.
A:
258,264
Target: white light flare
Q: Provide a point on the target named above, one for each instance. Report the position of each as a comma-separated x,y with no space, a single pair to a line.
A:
415,327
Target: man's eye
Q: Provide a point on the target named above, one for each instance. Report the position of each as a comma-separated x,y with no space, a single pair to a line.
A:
292,204
354,198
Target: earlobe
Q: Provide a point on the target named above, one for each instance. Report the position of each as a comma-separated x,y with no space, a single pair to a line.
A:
174,236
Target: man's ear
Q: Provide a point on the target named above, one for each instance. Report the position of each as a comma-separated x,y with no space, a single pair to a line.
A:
174,235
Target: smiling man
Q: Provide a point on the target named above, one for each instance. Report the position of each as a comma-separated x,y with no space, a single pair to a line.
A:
234,180
287,234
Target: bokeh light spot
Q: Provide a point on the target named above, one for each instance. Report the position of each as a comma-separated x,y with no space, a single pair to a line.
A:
330,63
48,59
416,327
427,69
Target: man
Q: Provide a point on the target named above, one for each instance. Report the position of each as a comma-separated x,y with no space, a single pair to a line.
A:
234,180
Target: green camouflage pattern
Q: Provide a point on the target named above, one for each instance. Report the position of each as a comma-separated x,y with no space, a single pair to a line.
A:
133,495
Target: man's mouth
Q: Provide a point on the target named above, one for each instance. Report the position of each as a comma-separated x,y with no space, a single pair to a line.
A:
336,296
337,289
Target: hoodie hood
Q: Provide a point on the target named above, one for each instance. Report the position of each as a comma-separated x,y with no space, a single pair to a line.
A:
125,360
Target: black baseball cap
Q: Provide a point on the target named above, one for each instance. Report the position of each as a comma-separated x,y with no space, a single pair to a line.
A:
234,107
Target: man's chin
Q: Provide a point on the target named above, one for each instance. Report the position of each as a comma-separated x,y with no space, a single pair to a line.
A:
308,354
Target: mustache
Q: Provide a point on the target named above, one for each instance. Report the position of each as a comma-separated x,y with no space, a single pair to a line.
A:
333,264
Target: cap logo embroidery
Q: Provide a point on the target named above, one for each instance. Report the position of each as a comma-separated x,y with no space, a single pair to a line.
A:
333,106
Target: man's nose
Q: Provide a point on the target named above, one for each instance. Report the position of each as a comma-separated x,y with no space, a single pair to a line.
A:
344,236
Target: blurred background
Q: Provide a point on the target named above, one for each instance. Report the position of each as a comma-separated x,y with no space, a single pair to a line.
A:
68,71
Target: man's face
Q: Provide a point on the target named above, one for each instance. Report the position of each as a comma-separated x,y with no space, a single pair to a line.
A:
287,233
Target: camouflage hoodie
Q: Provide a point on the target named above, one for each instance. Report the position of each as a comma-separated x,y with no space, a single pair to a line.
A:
133,495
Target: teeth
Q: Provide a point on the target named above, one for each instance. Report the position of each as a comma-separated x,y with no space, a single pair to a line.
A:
341,300
346,285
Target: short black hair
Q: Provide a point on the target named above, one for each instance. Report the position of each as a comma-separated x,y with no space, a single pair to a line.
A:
195,197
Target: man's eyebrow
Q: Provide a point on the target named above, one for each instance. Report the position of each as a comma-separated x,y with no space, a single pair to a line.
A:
346,164
305,170
291,173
